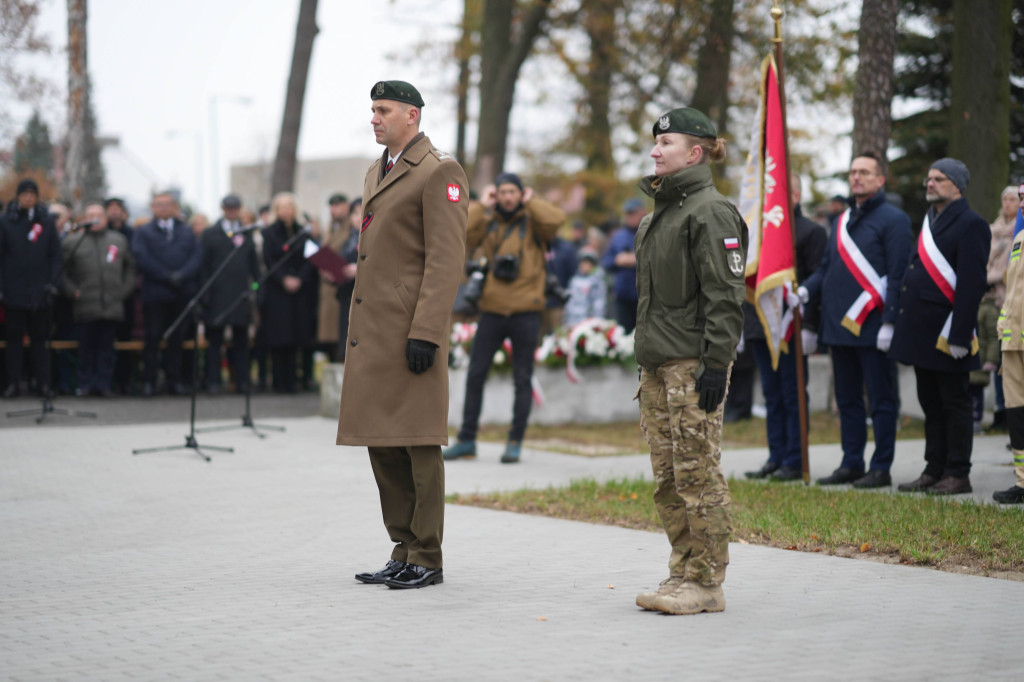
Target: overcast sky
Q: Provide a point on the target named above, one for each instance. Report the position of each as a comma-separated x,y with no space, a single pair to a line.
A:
157,66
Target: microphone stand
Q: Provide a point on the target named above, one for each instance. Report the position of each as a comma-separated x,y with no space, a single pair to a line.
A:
246,295
192,308
47,406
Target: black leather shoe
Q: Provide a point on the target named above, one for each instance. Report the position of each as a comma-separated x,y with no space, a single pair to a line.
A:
840,476
786,474
413,576
148,390
1014,495
874,479
919,484
390,570
951,485
11,391
766,470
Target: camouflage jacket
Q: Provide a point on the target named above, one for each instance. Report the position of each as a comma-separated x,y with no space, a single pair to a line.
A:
690,258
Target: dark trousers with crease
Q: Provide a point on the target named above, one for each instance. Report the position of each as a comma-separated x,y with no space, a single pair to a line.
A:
854,369
238,355
96,355
156,318
410,480
35,323
522,330
948,423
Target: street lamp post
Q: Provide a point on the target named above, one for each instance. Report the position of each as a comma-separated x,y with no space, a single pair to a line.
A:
197,137
214,142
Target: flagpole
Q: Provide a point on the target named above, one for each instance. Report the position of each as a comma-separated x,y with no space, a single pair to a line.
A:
798,351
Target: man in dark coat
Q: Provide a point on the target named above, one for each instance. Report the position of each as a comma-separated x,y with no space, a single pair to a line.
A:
858,284
218,243
781,391
29,267
290,293
168,255
936,328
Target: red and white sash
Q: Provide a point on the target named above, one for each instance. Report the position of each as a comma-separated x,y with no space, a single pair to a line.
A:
944,276
873,284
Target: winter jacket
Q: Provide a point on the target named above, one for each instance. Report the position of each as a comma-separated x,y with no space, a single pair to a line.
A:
690,256
169,265
587,296
882,233
623,278
100,269
29,256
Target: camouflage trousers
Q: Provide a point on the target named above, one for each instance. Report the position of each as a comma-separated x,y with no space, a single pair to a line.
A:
691,495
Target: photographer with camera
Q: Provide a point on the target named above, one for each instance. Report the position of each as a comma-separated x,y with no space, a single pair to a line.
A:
510,229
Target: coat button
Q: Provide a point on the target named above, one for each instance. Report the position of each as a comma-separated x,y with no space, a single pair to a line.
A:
353,342
362,256
358,300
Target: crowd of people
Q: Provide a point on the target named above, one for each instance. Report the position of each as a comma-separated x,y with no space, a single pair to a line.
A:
110,293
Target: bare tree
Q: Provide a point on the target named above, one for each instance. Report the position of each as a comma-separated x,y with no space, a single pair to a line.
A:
78,93
507,35
19,36
872,94
283,178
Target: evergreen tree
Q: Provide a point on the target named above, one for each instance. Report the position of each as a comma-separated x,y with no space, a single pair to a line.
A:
33,150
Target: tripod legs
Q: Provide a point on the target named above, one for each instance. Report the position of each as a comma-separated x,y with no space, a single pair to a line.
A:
48,408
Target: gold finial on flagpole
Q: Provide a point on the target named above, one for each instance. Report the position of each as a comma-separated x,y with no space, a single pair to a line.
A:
777,16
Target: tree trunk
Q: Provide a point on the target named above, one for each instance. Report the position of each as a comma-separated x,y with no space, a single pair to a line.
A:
980,108
600,181
872,93
711,95
464,51
500,61
78,91
283,178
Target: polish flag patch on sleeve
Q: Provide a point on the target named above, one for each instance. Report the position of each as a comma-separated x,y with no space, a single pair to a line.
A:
731,243
454,193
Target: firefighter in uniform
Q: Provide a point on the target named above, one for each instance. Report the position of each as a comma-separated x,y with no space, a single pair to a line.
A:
1011,334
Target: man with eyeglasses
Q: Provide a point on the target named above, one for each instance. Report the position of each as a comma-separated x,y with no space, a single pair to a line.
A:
936,328
858,286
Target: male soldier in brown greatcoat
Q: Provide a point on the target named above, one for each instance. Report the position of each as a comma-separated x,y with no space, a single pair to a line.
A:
394,395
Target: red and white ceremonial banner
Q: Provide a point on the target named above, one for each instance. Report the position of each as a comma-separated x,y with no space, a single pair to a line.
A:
765,206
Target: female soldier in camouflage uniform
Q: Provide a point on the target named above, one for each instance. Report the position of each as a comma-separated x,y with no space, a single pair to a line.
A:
691,254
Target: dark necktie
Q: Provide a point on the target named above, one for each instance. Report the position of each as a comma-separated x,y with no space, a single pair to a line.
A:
387,168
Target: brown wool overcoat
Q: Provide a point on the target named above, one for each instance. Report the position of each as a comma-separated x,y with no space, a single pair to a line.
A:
411,257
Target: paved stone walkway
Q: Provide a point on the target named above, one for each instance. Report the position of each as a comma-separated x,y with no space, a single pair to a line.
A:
163,566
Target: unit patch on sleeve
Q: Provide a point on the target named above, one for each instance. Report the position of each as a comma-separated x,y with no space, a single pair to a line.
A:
454,193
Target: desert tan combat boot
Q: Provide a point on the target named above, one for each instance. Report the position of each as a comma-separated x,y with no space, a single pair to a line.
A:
689,598
645,600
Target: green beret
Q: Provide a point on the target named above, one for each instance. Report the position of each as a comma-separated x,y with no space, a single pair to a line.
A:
399,91
686,120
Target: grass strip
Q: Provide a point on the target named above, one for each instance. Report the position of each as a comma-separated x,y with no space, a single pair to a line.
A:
960,536
619,438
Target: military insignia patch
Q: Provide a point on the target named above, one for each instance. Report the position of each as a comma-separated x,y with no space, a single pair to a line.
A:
663,122
367,219
731,243
735,262
443,156
380,88
454,193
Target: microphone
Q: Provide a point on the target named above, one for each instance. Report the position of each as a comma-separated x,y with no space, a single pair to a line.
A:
244,230
83,226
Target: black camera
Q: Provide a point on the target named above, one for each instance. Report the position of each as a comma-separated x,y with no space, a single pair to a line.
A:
476,270
506,267
552,287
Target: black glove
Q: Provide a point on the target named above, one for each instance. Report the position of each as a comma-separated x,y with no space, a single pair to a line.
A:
176,279
420,355
712,388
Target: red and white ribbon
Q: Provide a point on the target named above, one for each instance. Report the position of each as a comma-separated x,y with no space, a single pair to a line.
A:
873,284
944,276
